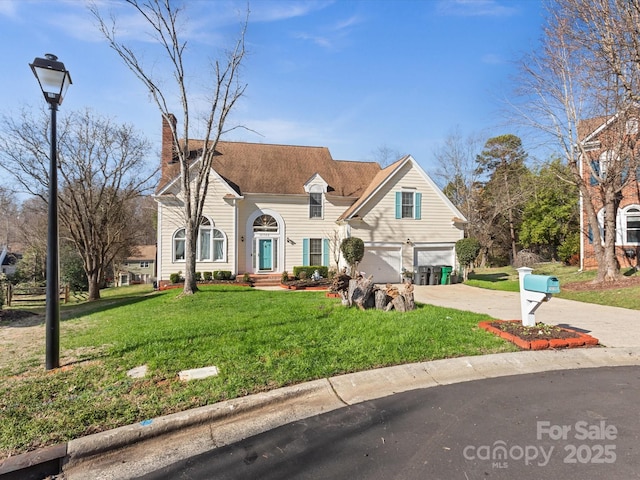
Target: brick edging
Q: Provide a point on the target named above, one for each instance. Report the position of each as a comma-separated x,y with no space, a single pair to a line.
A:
582,340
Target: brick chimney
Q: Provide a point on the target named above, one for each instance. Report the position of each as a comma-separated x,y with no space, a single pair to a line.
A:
168,165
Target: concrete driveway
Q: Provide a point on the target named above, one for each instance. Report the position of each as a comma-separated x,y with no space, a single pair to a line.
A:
614,327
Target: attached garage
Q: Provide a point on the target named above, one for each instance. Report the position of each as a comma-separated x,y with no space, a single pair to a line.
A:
384,263
435,255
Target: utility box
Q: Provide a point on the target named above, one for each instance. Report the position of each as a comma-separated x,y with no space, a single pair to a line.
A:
541,283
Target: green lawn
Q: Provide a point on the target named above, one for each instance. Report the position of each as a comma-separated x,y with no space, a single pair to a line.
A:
259,340
506,278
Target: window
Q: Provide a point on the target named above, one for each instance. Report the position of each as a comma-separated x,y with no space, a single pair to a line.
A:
144,264
632,224
265,223
179,242
315,251
211,245
408,205
632,126
315,205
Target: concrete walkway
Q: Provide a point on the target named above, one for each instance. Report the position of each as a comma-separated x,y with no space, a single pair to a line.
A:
614,327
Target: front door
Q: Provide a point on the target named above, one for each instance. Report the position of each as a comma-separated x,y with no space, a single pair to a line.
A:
265,254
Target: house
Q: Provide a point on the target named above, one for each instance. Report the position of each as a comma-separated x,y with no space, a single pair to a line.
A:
598,135
8,261
270,208
139,267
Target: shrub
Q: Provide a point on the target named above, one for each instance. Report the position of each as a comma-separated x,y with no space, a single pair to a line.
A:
198,277
285,277
307,271
208,276
246,278
352,249
176,277
569,247
222,274
3,286
467,250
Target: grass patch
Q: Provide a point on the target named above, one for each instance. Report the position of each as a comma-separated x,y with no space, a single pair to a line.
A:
259,340
506,279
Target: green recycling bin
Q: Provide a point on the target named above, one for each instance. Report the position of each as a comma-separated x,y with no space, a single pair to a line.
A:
446,275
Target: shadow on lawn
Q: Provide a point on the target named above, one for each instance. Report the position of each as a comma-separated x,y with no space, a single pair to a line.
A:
490,277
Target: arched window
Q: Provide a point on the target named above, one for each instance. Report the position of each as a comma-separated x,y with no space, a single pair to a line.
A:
211,245
631,223
211,242
265,223
179,242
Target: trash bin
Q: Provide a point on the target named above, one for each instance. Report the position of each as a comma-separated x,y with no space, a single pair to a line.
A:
436,272
422,275
446,275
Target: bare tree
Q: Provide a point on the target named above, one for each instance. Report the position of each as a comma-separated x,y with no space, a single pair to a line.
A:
385,155
457,172
585,74
101,168
8,214
164,18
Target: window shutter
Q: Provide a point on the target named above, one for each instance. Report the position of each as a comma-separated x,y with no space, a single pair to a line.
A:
398,204
325,252
590,235
418,205
305,252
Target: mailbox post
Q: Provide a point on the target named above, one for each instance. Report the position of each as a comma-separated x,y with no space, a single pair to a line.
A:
534,289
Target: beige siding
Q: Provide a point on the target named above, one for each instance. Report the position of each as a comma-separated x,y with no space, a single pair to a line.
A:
217,209
293,210
379,224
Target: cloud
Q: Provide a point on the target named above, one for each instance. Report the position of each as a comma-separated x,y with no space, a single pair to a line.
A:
274,11
9,8
492,59
332,36
475,8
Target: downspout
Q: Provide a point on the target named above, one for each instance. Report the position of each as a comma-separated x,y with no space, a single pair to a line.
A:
159,249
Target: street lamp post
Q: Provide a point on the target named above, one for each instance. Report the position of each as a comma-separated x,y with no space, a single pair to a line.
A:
54,80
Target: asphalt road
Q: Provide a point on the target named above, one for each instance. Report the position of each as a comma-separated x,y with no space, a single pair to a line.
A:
570,424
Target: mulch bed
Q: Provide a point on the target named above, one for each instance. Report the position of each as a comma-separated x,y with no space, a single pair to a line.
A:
307,284
538,337
622,282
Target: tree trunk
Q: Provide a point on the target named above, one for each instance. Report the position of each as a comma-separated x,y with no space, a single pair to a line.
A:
190,286
94,286
362,291
407,295
381,299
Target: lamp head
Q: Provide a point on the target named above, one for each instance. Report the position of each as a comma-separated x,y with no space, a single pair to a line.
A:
53,78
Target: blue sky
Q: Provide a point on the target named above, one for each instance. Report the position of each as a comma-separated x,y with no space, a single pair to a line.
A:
349,75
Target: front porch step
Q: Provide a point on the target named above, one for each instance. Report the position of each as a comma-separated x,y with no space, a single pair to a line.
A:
266,280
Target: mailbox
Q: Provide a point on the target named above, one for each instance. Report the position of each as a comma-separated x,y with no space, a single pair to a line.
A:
541,283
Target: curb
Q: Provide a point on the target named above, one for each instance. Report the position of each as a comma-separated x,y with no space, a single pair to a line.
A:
129,451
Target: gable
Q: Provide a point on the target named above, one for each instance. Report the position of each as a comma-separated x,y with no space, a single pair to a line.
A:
392,178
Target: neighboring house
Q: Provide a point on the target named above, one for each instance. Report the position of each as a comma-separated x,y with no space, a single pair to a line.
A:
8,261
270,208
594,133
140,267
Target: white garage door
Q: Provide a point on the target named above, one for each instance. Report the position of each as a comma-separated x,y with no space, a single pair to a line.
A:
435,256
384,263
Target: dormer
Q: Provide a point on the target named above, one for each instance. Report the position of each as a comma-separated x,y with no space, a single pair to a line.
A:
316,187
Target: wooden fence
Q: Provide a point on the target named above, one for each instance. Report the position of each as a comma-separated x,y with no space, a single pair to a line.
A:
31,296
